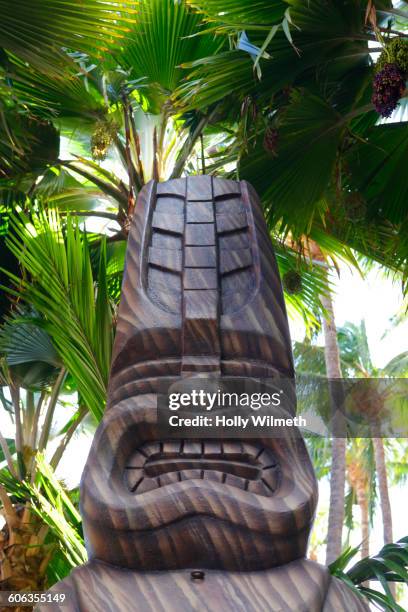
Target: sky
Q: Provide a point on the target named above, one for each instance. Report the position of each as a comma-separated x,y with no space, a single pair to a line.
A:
374,299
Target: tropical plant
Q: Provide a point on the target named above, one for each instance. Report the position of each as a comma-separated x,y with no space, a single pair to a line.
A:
357,360
32,378
57,338
38,33
97,99
307,135
42,538
366,458
338,463
388,566
73,300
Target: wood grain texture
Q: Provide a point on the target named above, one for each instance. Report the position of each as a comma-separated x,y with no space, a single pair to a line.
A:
301,586
201,296
200,303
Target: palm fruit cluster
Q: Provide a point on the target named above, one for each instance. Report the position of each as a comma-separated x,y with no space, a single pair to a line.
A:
102,139
270,141
391,75
292,282
394,52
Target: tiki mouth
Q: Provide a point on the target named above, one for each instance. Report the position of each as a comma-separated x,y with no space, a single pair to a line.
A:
247,466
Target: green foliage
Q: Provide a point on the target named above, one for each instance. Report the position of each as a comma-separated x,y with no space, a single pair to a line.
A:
56,507
328,38
12,448
53,504
38,31
75,307
305,302
29,353
377,169
394,52
160,40
318,102
389,565
309,136
241,13
27,146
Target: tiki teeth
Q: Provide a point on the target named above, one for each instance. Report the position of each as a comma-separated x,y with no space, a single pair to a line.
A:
212,447
212,475
133,478
190,474
245,466
192,448
235,481
260,487
171,447
147,484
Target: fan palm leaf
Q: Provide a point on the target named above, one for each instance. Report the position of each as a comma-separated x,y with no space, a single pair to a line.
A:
241,13
36,31
159,41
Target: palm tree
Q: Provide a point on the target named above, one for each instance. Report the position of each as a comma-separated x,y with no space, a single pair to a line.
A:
33,373
80,317
358,474
333,371
41,379
307,135
133,93
356,362
338,466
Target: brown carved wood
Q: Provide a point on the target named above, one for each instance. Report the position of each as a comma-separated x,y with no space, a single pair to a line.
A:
201,295
300,586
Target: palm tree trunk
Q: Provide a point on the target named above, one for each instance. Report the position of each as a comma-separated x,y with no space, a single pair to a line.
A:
24,556
379,458
381,469
338,468
362,500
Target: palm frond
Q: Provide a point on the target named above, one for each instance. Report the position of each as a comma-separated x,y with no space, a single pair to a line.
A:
305,303
22,340
389,565
37,31
52,503
241,13
62,289
27,144
160,40
329,40
30,355
377,167
309,136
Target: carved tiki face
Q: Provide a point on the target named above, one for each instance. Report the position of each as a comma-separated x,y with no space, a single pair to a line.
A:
201,295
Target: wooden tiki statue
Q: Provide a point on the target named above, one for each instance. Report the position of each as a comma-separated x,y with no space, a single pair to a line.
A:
187,524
